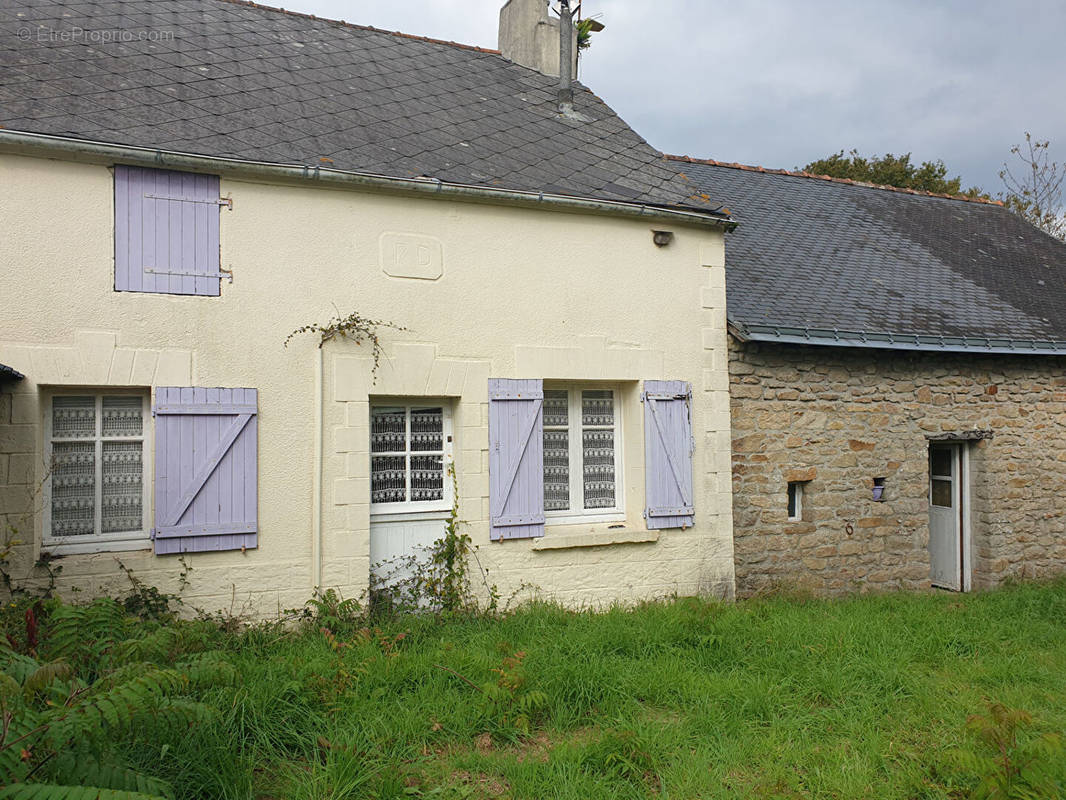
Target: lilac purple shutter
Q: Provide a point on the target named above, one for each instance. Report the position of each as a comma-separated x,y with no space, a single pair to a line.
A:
516,459
205,469
668,448
166,231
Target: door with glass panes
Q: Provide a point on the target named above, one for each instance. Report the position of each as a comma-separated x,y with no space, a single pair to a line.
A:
945,515
410,484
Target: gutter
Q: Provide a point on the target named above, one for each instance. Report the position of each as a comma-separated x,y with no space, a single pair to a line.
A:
833,337
23,142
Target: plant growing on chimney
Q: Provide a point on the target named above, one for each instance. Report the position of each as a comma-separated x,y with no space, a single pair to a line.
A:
585,29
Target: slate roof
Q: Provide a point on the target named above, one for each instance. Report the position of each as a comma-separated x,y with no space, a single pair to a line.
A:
836,262
235,79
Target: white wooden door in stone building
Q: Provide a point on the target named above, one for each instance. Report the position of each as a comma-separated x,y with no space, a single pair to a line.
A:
946,521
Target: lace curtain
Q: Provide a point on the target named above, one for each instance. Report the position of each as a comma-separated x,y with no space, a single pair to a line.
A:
556,450
122,490
77,445
388,474
597,449
73,488
407,454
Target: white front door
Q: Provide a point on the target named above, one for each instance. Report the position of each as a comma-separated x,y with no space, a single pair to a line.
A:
410,484
945,515
398,543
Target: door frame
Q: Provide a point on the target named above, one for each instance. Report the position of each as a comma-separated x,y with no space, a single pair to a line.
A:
965,533
961,465
431,513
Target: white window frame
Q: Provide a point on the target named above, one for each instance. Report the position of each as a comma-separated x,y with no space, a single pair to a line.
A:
797,487
577,489
415,506
98,542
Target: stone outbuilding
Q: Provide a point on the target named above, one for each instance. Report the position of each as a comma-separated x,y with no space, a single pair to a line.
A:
898,386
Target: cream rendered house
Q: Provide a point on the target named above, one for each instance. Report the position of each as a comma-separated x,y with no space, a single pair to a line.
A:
180,194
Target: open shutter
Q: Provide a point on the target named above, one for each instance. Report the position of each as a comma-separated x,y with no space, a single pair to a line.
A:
516,459
668,446
166,231
205,469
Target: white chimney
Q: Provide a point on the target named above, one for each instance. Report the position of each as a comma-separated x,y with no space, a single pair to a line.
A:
530,36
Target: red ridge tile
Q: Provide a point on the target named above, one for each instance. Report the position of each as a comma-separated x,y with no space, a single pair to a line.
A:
799,174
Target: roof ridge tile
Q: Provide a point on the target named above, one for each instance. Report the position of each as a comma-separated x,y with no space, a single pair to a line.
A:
829,178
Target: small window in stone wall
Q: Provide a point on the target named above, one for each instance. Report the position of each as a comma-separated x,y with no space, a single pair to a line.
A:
795,501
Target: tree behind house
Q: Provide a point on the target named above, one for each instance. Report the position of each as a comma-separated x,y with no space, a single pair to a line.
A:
892,170
1034,189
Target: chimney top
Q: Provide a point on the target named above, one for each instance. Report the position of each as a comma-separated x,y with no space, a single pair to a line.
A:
530,37
566,58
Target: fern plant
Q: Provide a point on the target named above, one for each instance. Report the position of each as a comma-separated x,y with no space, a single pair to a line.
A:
509,700
625,754
329,610
38,791
83,635
65,721
1014,762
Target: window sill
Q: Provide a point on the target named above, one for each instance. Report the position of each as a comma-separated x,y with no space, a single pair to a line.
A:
87,548
613,516
594,537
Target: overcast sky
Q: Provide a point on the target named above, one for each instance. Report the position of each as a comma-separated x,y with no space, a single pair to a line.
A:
780,82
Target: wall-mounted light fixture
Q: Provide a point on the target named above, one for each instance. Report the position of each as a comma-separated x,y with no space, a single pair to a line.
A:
662,238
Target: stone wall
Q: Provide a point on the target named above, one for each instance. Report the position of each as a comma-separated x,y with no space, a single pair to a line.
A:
839,418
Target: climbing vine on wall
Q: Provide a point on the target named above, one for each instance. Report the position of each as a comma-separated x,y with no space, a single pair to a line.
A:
354,327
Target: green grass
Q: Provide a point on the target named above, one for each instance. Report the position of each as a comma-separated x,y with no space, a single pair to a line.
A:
864,697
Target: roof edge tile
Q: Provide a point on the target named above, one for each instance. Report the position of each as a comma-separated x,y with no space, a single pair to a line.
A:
886,340
793,174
